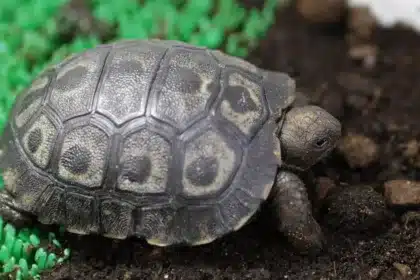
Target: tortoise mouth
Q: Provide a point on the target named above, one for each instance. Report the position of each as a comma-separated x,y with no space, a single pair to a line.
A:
301,165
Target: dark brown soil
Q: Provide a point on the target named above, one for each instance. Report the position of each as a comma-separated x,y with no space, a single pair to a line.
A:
381,104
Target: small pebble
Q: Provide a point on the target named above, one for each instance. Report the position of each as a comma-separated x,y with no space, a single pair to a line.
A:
361,23
356,209
322,11
374,273
411,151
402,192
366,53
403,269
128,275
361,51
359,151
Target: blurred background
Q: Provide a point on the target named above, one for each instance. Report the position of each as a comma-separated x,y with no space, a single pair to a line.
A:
358,59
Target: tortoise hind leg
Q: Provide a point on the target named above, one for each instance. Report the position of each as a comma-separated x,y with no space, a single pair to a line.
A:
292,209
9,211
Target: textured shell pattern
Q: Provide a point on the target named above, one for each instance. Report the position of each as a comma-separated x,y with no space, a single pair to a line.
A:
155,139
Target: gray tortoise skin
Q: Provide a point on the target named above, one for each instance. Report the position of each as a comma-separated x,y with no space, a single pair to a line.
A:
162,140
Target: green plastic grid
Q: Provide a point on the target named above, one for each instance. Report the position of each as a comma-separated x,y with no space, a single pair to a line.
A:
27,252
212,23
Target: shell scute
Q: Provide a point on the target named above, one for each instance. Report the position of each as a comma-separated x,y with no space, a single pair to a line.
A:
75,83
187,85
145,161
39,139
210,163
83,156
126,81
242,103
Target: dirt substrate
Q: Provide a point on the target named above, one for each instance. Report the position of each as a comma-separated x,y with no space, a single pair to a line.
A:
381,104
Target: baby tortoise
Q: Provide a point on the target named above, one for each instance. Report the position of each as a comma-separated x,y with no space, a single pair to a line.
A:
165,141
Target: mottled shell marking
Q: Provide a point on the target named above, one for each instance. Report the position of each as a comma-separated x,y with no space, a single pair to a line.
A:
144,163
10,177
242,104
75,85
187,87
39,84
126,81
28,110
39,140
83,156
209,163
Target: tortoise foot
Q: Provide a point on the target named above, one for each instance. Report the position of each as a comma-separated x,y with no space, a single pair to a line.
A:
294,215
10,213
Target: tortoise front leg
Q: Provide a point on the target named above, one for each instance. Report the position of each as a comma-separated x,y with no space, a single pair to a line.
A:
292,209
9,211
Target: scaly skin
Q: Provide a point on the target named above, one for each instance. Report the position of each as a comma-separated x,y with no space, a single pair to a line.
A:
307,135
292,209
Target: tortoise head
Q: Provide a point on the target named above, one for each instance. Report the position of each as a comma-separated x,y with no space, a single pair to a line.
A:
308,134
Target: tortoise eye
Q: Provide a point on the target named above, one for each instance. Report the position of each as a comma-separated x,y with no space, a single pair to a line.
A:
321,143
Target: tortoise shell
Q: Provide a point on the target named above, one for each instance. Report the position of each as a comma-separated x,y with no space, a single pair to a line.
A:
148,138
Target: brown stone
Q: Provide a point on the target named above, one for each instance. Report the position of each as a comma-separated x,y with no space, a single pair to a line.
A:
402,192
403,269
411,151
361,23
360,151
367,53
322,11
374,273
